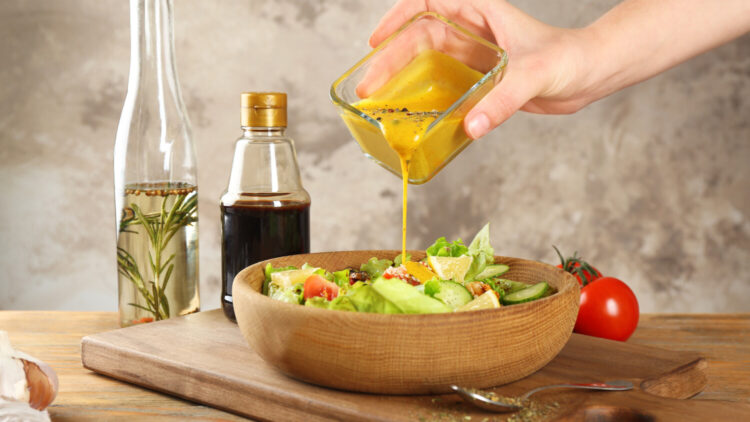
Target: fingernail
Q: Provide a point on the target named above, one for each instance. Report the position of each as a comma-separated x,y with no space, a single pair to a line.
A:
479,125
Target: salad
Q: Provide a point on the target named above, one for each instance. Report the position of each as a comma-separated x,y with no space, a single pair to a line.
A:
452,277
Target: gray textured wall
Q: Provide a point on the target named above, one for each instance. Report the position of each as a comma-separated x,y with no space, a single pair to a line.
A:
650,184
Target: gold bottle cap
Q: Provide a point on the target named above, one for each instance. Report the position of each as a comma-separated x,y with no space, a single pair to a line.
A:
263,109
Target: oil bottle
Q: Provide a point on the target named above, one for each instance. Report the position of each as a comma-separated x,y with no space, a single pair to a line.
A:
156,192
265,211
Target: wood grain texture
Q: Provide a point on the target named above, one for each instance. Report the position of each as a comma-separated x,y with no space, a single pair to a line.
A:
202,357
723,339
55,337
405,354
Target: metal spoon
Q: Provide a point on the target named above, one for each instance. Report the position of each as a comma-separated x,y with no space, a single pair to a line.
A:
479,398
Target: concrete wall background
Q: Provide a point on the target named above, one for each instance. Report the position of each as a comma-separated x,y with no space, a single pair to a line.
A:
651,185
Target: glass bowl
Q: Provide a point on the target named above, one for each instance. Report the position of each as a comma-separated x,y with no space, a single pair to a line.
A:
444,138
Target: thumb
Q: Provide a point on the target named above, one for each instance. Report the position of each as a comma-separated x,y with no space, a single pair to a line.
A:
515,90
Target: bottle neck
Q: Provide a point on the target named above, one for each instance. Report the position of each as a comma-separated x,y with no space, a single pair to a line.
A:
152,60
154,131
151,37
263,132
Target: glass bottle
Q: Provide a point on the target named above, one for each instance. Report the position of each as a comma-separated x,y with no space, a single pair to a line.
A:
265,211
156,195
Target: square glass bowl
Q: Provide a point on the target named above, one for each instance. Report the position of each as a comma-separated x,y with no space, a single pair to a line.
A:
444,138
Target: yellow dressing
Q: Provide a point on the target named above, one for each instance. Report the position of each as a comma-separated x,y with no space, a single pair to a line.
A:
407,105
404,190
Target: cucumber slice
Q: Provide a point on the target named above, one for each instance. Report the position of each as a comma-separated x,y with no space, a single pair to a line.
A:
492,271
509,286
453,294
527,295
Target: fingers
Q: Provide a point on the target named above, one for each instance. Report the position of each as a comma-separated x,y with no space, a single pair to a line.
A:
515,90
399,14
427,34
471,14
385,65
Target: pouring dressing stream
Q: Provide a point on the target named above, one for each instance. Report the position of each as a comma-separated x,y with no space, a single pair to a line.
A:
409,102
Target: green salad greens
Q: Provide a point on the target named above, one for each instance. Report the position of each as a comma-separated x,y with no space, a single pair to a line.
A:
452,277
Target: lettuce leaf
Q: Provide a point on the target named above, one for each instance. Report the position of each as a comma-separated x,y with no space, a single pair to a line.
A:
431,288
407,298
342,303
365,299
499,287
375,267
289,295
317,302
481,252
341,278
442,247
318,271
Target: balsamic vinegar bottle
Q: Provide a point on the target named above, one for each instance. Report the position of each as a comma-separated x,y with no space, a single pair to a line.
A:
265,211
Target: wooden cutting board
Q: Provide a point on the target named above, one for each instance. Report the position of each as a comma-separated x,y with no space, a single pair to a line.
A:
203,357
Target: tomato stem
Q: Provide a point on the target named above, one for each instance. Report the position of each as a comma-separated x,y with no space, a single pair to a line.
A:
584,270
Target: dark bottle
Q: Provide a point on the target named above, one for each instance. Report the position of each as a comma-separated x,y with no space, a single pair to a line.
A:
265,211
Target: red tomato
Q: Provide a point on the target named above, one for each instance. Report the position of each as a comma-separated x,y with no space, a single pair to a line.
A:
316,285
608,309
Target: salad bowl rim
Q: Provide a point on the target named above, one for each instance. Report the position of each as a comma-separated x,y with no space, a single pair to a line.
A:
568,282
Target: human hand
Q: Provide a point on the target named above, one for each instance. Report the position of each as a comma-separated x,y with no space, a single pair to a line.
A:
558,71
543,61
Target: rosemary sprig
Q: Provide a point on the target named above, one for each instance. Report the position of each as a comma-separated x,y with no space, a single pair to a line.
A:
159,227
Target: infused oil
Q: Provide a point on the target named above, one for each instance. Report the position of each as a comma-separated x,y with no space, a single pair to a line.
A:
157,252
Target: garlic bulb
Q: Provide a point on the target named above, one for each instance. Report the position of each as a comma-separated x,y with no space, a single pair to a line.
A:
16,411
24,379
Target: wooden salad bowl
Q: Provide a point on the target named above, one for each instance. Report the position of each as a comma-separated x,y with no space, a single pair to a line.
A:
405,354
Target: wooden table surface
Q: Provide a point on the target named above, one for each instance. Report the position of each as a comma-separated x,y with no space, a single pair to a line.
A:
55,337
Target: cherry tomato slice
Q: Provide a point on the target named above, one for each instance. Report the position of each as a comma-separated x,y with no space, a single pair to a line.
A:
316,285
